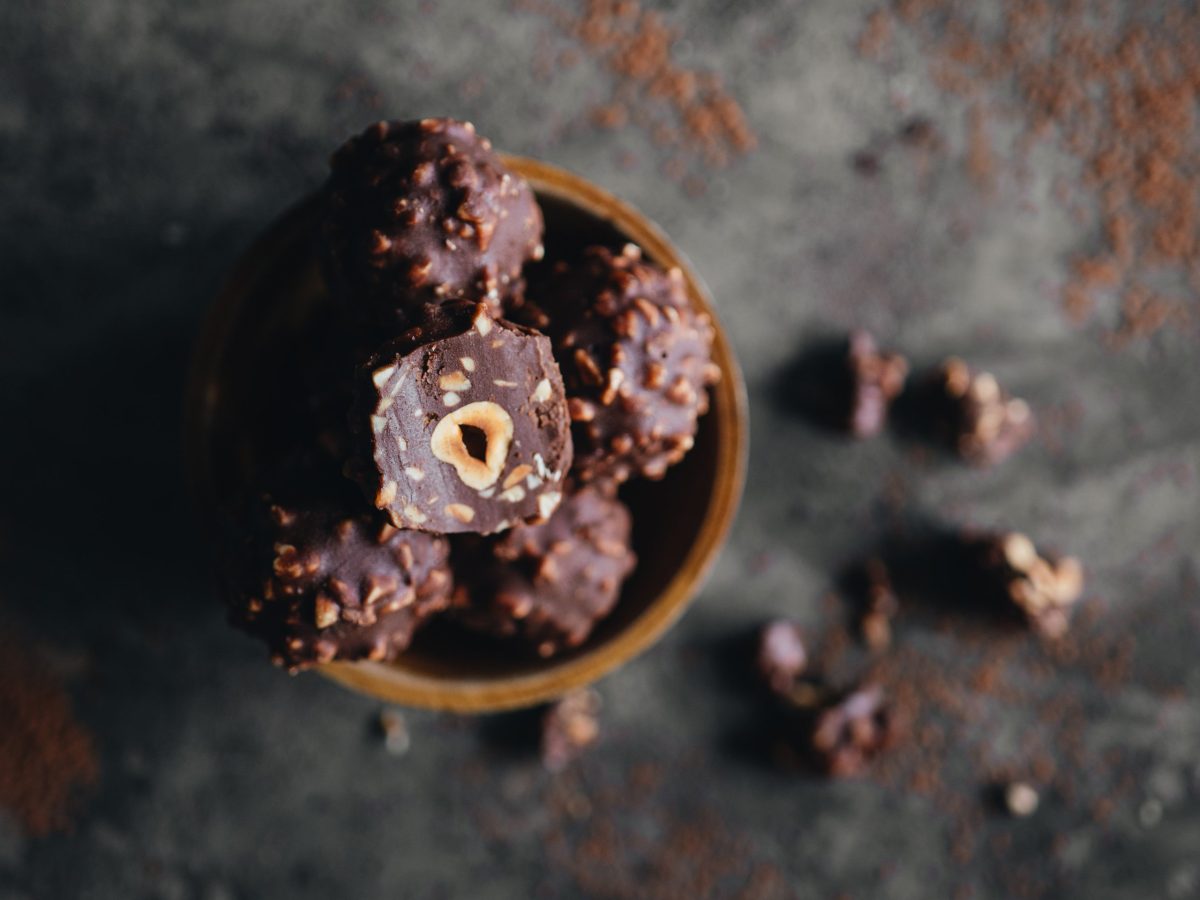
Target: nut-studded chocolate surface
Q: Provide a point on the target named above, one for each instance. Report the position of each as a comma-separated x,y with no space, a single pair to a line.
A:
422,212
320,580
549,583
462,426
635,357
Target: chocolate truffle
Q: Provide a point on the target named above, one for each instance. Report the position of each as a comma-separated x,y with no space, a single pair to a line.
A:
422,212
548,583
321,580
636,360
461,426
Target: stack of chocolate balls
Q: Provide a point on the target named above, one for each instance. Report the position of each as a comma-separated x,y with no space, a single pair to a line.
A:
494,402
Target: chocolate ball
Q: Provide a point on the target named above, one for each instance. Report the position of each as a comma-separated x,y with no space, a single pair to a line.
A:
318,579
422,212
636,359
551,583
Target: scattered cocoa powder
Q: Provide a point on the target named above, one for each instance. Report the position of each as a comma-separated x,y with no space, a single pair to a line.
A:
46,756
1117,88
685,110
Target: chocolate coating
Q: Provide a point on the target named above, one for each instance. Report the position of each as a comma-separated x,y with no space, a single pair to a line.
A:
320,580
462,426
422,212
635,357
549,583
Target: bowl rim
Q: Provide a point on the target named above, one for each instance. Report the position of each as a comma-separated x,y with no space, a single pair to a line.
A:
390,683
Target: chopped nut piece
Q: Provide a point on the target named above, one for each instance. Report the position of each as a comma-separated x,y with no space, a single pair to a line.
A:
1021,799
454,381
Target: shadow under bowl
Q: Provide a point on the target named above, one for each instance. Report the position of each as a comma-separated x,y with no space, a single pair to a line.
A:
680,522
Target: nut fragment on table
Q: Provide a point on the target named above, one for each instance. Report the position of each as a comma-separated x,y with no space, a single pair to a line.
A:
1043,588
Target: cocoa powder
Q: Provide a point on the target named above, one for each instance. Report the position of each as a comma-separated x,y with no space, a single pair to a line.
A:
686,111
46,756
1114,87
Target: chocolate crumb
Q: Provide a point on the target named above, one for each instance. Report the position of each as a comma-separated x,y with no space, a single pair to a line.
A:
875,379
880,606
976,417
850,732
569,727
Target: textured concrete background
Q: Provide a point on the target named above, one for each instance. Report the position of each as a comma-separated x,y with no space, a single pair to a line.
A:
143,144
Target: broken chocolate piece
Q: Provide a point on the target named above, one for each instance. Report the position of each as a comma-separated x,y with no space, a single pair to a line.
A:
461,426
317,579
976,417
850,732
782,656
880,606
1042,588
635,357
549,583
875,379
569,727
423,212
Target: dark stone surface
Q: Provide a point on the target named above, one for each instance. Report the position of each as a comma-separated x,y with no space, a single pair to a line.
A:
143,144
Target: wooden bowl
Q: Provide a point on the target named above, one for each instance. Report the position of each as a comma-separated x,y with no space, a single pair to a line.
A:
679,522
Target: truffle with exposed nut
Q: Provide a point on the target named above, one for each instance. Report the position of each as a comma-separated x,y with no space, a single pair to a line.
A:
636,359
550,583
423,212
461,425
320,580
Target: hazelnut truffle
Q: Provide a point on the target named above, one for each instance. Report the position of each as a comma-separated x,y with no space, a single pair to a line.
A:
550,583
461,426
635,357
422,212
321,580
